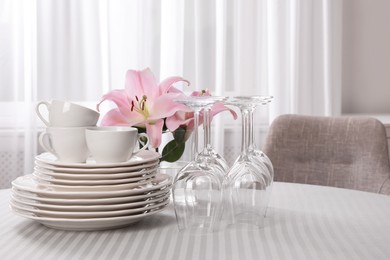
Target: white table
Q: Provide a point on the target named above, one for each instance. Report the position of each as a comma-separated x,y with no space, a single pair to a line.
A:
304,222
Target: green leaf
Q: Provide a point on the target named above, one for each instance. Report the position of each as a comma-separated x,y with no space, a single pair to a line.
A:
173,151
179,135
140,129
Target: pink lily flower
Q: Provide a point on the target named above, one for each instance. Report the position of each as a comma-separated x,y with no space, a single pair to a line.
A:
181,118
144,103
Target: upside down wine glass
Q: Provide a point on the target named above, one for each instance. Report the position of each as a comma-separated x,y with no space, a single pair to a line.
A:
254,153
197,188
209,155
249,182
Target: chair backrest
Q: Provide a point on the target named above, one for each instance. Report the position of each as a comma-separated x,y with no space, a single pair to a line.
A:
346,152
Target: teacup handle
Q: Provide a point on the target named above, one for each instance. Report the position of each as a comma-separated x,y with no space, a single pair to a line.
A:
47,104
44,141
147,142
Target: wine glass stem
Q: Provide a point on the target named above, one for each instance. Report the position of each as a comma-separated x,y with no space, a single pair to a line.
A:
245,132
251,141
195,140
206,128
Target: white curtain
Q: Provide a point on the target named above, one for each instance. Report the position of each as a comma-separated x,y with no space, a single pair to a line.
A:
78,50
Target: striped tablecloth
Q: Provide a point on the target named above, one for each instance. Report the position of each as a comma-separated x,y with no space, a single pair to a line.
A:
304,222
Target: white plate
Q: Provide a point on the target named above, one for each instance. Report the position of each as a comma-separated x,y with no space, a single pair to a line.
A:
89,202
34,204
140,158
43,178
87,224
27,183
98,176
88,214
31,180
57,169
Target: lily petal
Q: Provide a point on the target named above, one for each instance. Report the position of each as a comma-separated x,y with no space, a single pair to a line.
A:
117,96
133,85
166,84
219,107
200,93
154,132
114,117
164,106
175,90
117,117
149,83
132,117
178,119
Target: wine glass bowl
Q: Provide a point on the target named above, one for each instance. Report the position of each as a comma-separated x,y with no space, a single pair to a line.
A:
249,182
247,192
197,188
197,198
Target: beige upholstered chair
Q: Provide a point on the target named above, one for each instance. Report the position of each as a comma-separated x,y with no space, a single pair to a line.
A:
346,152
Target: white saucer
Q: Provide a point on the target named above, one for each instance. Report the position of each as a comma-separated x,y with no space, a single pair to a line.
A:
34,204
96,170
54,180
87,224
88,214
89,202
28,183
140,158
91,176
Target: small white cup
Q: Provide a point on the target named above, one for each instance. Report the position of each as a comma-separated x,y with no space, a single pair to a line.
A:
66,143
112,144
66,114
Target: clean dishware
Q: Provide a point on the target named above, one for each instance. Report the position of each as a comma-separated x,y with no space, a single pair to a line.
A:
67,144
147,170
66,114
112,144
44,178
249,181
197,188
88,224
29,184
47,179
88,187
89,202
136,161
254,152
103,170
87,214
208,155
36,204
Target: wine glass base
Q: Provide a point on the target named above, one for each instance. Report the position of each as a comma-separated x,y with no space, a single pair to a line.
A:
197,229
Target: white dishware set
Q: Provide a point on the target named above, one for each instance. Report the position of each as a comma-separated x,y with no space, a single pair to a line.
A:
90,178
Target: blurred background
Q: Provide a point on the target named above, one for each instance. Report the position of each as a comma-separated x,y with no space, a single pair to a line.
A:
325,57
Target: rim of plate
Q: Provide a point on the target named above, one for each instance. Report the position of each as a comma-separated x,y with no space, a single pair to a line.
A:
88,208
89,201
90,175
26,183
89,224
138,158
86,187
90,214
93,182
96,170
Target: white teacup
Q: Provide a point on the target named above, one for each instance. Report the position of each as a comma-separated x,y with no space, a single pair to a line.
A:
66,114
66,143
112,144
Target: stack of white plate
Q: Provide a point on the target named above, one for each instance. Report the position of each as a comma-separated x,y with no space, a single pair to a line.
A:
91,196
